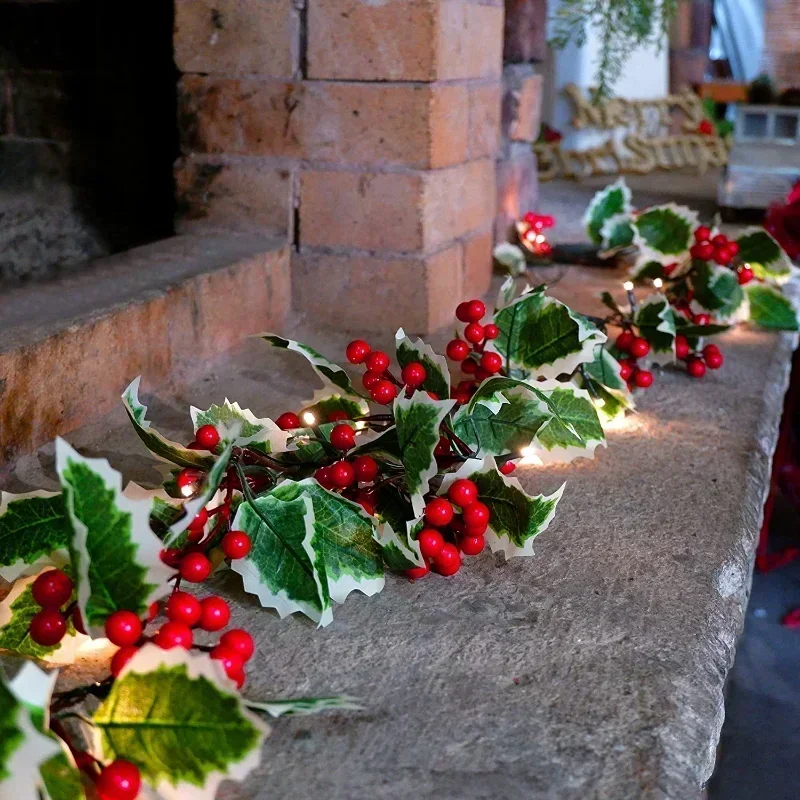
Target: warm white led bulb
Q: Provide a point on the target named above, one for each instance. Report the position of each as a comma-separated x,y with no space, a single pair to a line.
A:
658,283
309,418
628,286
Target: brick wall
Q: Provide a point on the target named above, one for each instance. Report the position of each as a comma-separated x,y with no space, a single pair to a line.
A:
781,58
365,132
689,40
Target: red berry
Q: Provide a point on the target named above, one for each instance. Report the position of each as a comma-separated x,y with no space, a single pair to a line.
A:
121,658
443,448
366,499
439,512
208,436
377,361
625,370
342,474
508,467
475,530
236,544
48,627
462,312
120,780
448,562
457,525
681,346
337,416
357,351
491,331
288,421
214,613
52,589
640,347
123,628
476,310
734,248
704,251
77,621
231,661
469,367
152,611
474,333
471,545
720,240
430,542
199,521
695,367
711,348
745,275
343,437
491,363
324,478
462,397
624,341
723,256
188,478
457,350
371,378
463,492
702,233
383,392
239,641
195,567
184,608
415,573
713,357
477,514
701,319
413,375
366,469
643,378
705,127
171,556
174,634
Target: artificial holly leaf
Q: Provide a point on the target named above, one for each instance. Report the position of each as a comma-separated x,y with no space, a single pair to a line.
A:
437,374
396,533
664,233
692,331
158,445
240,427
303,706
344,538
506,293
656,322
765,256
325,403
61,779
517,518
770,308
181,721
384,445
613,397
612,201
647,269
418,419
541,334
285,567
511,257
717,289
35,531
332,375
606,370
113,551
617,231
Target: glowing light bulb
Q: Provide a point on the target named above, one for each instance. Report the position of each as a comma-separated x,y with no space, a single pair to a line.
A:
539,239
658,283
529,457
628,286
309,418
189,489
599,402
531,236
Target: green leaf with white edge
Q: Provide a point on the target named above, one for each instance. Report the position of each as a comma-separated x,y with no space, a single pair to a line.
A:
304,706
764,255
610,202
541,334
332,375
437,373
285,567
240,427
647,269
161,447
617,231
656,322
771,309
418,419
692,331
613,397
664,233
61,778
716,289
606,370
506,293
397,530
35,531
325,403
113,551
180,719
382,445
517,518
17,610
344,536
511,258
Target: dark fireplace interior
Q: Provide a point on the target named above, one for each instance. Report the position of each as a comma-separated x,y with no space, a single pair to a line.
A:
88,131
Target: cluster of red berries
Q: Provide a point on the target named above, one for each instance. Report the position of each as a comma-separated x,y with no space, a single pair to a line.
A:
347,474
719,249
531,232
469,351
52,590
378,381
696,362
449,534
636,347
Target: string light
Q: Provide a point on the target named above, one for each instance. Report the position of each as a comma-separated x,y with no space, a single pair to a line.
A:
189,490
658,283
530,231
309,419
628,286
529,457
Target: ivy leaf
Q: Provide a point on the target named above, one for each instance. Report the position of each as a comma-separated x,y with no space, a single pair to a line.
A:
717,289
517,518
114,552
617,231
181,721
437,378
656,322
771,309
765,256
418,419
343,536
303,706
240,427
34,532
161,447
285,567
610,202
541,334
325,404
395,537
664,233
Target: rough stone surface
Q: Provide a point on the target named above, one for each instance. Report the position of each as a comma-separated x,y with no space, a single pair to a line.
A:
522,103
484,119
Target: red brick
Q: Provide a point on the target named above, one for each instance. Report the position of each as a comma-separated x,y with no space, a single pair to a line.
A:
237,37
470,40
525,31
484,120
477,270
522,103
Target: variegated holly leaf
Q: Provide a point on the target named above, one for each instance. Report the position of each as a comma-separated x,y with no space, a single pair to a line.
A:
397,531
617,231
240,427
613,397
61,778
113,551
332,375
383,445
437,374
766,257
540,334
656,322
664,233
304,706
771,309
325,403
285,567
418,419
506,293
35,531
344,536
613,201
179,718
517,518
159,445
511,257
716,289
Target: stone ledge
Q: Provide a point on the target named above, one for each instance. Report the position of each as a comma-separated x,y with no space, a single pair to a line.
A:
69,347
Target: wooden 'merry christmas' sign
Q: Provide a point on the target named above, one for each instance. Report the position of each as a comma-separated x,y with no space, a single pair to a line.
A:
643,147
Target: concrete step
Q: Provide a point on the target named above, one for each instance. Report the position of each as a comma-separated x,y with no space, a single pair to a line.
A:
70,346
